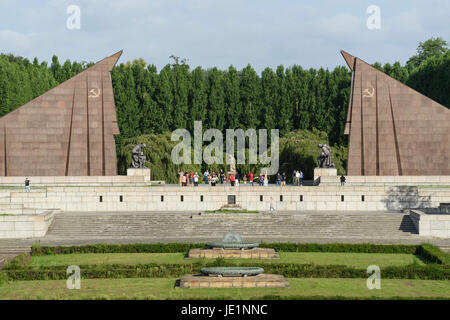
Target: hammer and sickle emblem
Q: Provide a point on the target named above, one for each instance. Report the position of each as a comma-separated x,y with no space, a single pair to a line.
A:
94,93
369,94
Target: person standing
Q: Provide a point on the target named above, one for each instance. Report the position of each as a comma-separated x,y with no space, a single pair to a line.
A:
181,174
266,180
301,177
191,178
236,179
206,175
27,185
196,180
278,179
250,178
283,179
245,179
222,176
184,180
342,180
232,179
297,177
261,180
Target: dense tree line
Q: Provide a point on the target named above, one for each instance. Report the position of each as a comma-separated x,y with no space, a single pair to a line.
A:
287,99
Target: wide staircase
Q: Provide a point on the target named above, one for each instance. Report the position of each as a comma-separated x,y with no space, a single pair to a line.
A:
10,252
212,226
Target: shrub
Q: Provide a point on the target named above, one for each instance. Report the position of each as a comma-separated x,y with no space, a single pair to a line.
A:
340,247
432,254
117,248
291,270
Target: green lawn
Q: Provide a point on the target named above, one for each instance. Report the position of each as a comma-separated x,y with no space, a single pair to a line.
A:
358,260
158,288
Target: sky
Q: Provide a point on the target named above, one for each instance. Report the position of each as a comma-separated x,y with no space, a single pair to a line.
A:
219,33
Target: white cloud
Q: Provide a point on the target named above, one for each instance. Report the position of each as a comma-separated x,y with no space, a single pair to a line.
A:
13,41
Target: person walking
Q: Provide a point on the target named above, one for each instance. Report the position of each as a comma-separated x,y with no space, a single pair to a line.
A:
27,185
283,179
272,208
342,180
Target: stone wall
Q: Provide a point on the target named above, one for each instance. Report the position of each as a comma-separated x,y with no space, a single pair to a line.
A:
25,225
431,225
174,198
386,180
72,180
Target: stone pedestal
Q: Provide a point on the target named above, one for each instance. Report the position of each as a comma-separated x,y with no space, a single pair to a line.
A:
139,172
255,253
323,172
259,281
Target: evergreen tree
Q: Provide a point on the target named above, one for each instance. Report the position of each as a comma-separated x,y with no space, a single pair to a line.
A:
198,98
250,94
180,86
269,99
232,98
164,100
284,110
215,116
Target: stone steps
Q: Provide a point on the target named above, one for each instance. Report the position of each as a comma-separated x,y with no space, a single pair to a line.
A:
14,250
78,226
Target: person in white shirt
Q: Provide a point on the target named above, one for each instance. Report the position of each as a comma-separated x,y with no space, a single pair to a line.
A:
271,204
196,179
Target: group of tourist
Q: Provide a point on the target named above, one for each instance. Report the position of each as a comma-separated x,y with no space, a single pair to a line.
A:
297,178
212,178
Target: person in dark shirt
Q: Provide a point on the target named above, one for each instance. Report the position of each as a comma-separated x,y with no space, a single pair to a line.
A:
278,179
222,176
342,180
27,185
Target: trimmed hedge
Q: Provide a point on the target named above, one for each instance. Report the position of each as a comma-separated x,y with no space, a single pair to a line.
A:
291,270
438,267
38,250
432,254
340,247
427,252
